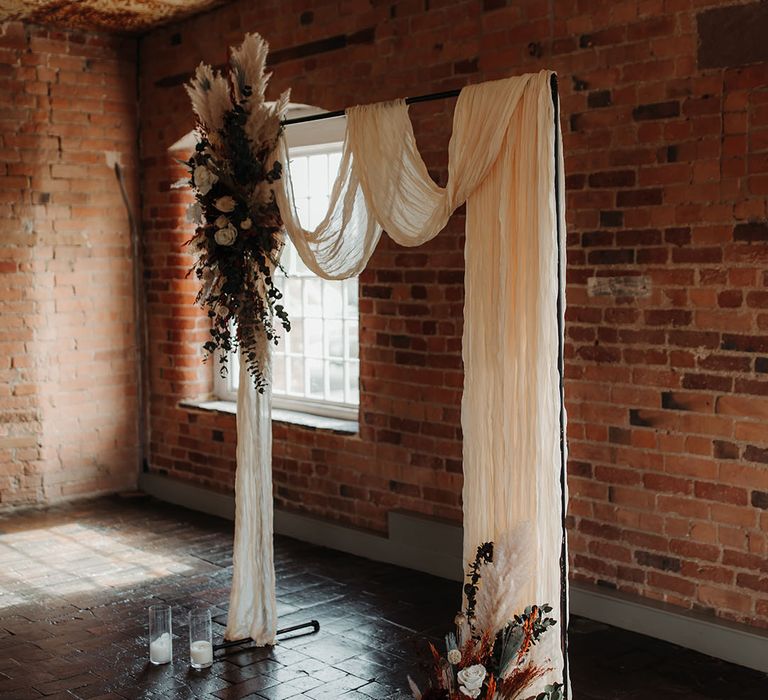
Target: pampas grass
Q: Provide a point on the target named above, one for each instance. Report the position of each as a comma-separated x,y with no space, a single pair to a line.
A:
414,689
209,94
249,61
503,578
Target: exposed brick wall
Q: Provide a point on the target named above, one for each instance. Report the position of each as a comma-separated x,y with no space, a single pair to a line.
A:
67,350
667,334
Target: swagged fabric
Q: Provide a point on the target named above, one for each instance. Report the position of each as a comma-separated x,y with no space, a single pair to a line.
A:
502,164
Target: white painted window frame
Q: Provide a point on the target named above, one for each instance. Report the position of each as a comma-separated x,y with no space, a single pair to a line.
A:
303,139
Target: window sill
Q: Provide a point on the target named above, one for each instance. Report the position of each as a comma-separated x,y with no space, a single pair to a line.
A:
280,415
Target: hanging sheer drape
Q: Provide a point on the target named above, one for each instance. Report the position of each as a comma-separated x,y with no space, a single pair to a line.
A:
252,604
502,164
511,402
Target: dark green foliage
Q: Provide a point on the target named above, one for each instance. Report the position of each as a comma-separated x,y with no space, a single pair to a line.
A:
484,555
551,692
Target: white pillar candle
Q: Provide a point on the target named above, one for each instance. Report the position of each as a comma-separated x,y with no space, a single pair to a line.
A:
201,653
161,649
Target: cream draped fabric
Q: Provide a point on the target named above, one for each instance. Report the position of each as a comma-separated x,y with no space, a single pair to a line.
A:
252,604
502,164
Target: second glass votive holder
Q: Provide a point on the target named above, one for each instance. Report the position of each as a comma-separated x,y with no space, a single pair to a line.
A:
200,638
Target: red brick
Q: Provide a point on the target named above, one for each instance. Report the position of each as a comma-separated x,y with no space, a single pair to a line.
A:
668,484
720,492
101,412
724,599
676,584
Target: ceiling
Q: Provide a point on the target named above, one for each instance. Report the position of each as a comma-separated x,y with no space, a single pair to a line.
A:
105,15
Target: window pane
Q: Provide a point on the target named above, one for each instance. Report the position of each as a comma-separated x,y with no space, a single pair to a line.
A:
352,339
299,177
334,160
296,367
318,176
353,383
350,293
313,337
292,290
295,344
334,332
336,381
278,373
333,299
318,207
313,297
316,379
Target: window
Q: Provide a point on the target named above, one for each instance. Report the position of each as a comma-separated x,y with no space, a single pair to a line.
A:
315,367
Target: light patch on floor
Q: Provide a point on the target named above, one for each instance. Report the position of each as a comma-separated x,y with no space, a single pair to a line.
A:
42,559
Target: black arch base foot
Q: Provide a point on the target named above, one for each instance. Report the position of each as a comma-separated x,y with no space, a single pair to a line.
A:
312,627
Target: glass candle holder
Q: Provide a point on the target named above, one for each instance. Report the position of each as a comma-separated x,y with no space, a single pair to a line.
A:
160,634
200,638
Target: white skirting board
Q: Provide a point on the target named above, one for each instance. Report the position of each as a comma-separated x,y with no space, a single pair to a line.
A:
433,546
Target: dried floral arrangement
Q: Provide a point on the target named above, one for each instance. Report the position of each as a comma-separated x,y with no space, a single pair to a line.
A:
239,234
489,656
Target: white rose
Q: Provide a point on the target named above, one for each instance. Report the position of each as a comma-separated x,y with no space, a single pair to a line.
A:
225,204
195,213
204,179
245,224
221,221
472,678
454,657
226,235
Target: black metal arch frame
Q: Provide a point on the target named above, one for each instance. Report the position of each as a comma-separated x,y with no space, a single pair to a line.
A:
314,624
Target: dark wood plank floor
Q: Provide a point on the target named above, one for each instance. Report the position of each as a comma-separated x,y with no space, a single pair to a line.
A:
76,580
